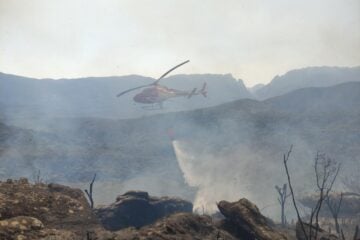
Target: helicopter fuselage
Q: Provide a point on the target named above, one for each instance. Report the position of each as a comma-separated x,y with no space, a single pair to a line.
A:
158,94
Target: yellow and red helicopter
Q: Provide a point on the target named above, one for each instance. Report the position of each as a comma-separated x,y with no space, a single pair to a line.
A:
154,93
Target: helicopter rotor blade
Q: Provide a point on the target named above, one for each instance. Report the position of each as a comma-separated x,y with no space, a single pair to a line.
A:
172,69
154,83
132,89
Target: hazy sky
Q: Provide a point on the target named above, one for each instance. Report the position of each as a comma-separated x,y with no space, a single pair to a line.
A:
253,39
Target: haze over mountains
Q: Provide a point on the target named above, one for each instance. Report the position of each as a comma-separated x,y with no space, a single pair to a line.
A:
71,129
307,77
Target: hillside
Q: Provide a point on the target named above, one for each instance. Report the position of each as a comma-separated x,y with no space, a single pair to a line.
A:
342,98
234,149
307,77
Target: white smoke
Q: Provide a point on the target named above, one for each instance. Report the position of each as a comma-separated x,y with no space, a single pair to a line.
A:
217,177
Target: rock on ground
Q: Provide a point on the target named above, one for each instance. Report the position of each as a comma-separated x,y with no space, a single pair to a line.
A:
137,209
39,211
53,204
56,212
184,226
244,220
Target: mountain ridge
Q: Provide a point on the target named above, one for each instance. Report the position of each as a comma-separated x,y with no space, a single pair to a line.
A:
308,77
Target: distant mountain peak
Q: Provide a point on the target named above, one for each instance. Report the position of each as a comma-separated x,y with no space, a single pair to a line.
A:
322,76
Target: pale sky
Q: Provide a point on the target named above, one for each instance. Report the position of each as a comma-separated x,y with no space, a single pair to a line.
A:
254,39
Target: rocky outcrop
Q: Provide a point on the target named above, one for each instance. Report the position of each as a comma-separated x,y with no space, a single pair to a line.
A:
40,211
44,211
185,226
53,204
137,209
243,219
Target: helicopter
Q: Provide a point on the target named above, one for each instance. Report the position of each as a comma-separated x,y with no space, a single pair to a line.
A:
154,93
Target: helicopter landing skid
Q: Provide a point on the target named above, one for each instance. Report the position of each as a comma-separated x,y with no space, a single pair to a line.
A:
153,107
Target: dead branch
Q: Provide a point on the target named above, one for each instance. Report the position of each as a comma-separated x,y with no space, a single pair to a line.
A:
282,200
90,192
286,159
334,208
326,172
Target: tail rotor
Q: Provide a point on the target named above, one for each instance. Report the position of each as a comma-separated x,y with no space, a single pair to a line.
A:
203,90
